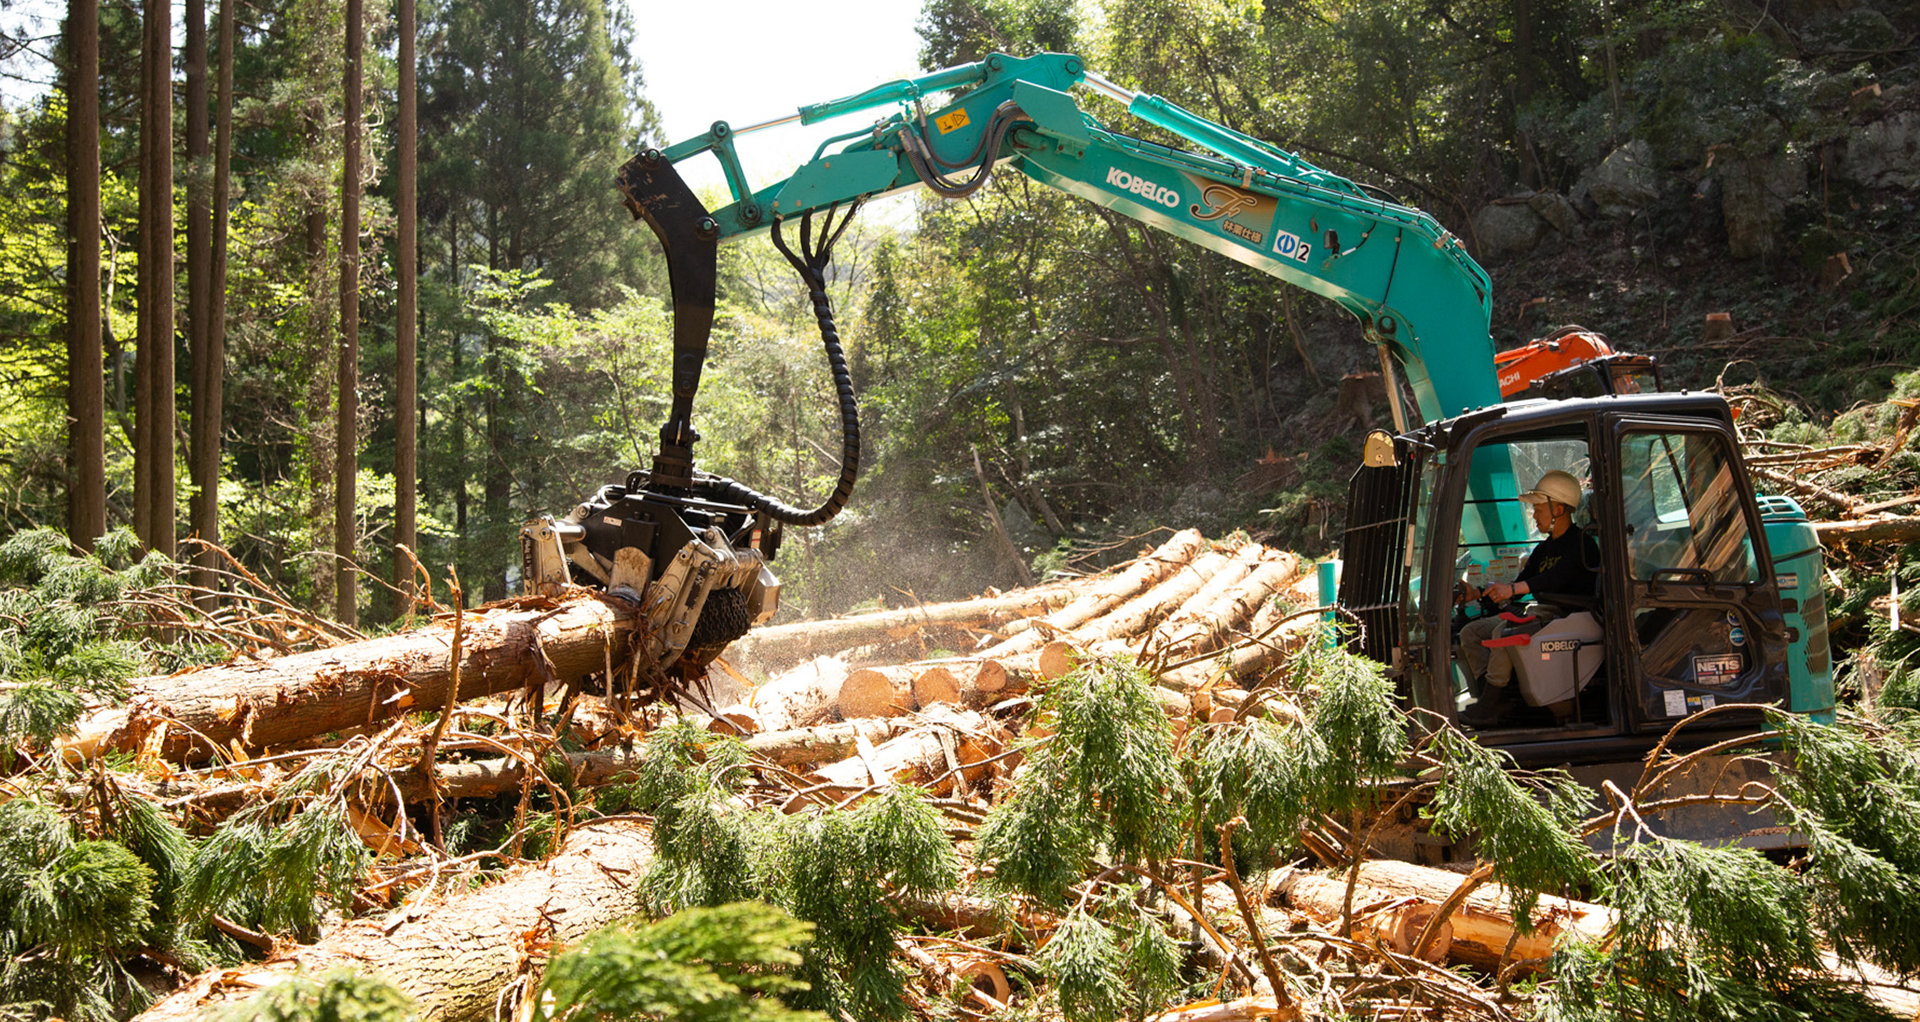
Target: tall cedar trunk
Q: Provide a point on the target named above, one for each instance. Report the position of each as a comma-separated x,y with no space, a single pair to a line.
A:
154,386
459,444
203,470
210,416
319,401
346,590
406,261
1523,84
86,383
497,483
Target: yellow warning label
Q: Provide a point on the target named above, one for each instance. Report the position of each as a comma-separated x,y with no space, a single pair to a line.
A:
955,120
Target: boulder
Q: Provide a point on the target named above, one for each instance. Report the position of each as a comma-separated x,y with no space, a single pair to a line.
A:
1507,228
1754,193
1860,30
1625,182
1886,153
1555,210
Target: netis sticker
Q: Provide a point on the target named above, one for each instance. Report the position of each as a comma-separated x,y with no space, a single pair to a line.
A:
1717,669
1289,246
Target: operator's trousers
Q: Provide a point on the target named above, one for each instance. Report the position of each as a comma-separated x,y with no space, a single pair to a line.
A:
1496,664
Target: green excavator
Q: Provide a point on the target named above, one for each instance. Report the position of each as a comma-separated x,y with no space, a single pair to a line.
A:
1707,593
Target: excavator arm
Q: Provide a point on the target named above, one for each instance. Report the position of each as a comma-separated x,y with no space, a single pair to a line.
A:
1411,284
693,547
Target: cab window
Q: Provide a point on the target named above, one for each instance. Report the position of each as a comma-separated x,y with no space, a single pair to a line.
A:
1682,506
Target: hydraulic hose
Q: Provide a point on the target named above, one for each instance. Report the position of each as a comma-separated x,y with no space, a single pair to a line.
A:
811,264
921,155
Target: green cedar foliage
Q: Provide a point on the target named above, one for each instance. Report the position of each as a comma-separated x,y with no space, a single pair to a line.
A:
338,996
1854,791
1104,779
729,963
70,908
836,870
62,640
1526,832
277,865
1704,934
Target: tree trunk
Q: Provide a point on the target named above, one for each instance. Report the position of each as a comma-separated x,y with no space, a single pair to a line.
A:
1148,570
1255,658
346,586
1379,916
406,317
783,644
153,471
893,691
263,704
802,697
455,958
1483,924
927,756
210,417
86,384
203,459
1220,610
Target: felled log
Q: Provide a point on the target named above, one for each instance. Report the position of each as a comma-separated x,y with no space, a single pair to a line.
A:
454,958
1880,530
925,755
1483,924
1266,648
805,696
1199,607
1175,552
1244,1009
898,690
790,643
1379,917
1136,615
266,703
827,743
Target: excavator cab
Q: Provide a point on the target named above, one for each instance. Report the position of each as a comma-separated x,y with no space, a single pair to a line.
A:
1705,594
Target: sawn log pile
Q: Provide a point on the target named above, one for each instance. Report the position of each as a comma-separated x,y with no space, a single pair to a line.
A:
935,696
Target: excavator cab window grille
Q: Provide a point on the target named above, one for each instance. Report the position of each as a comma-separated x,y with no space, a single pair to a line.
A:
1381,503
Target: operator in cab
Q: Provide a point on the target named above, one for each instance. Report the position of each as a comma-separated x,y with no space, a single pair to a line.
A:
1562,565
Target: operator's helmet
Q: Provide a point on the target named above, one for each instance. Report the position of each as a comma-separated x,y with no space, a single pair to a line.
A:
1558,486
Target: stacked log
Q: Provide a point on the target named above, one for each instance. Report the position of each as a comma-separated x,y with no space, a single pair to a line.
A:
834,728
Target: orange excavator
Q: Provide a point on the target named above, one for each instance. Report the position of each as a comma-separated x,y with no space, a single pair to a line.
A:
1573,362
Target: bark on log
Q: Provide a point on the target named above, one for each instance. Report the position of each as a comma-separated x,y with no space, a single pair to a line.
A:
1136,615
1254,658
1209,629
1884,530
1379,916
454,959
803,697
1245,1009
791,643
1483,924
1175,552
267,703
920,756
1200,606
828,743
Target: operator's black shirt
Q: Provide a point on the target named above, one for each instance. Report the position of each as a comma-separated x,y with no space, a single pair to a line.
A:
1562,565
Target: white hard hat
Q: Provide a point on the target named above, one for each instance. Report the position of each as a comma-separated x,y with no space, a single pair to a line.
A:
1557,486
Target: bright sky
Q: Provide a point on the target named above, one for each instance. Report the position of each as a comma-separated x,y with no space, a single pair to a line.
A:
763,60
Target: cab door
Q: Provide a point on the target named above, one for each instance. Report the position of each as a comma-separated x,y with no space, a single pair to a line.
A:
1693,587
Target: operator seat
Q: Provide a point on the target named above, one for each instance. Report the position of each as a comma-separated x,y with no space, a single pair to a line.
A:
1555,664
